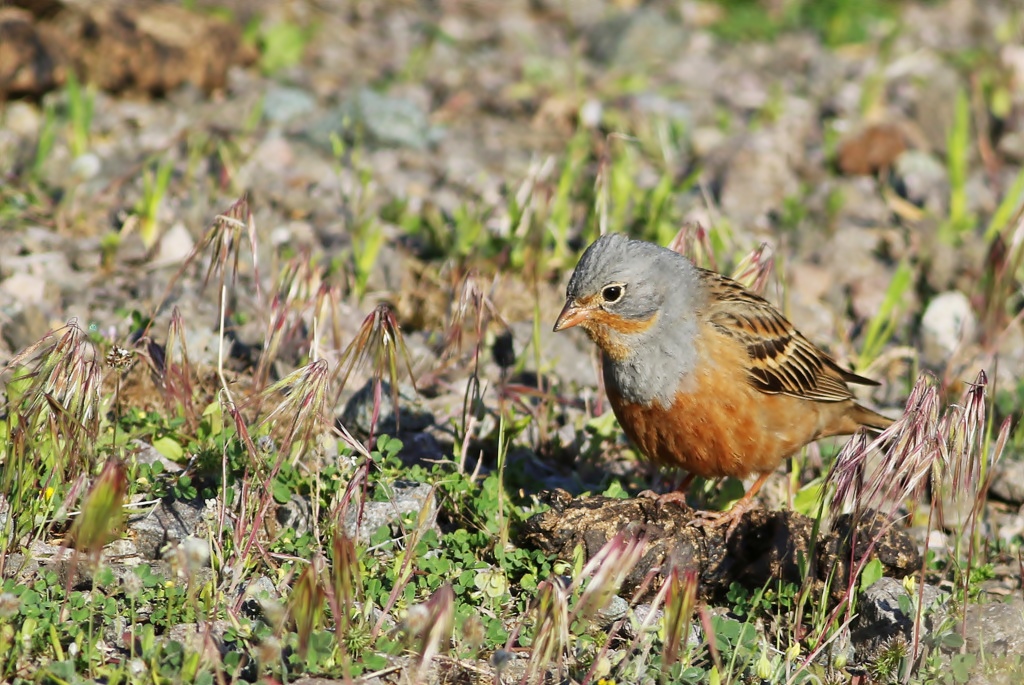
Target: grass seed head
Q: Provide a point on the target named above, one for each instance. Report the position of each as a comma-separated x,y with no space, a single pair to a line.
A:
306,604
682,598
551,630
345,578
101,511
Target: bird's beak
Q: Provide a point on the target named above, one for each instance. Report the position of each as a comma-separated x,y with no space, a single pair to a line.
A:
572,315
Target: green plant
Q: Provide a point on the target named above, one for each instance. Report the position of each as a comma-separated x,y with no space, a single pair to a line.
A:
882,325
282,44
80,102
156,178
958,148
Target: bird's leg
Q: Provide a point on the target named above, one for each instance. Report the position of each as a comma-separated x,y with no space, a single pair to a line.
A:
677,496
687,482
733,514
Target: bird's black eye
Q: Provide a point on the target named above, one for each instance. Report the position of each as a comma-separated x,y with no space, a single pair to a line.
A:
612,293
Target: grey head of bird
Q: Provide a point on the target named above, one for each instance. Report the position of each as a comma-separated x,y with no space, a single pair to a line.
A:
638,302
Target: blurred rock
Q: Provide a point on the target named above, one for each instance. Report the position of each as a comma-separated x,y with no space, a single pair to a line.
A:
371,117
85,166
160,529
921,178
406,497
1008,482
996,629
21,118
174,247
932,86
640,40
31,56
871,150
151,48
29,289
282,104
949,322
357,415
24,327
118,46
756,180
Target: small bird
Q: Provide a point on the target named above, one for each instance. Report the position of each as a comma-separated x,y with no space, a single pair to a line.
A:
703,374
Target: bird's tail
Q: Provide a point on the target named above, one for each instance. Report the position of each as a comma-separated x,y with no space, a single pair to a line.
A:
868,418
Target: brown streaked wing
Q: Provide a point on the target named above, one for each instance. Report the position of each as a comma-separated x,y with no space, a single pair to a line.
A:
781,359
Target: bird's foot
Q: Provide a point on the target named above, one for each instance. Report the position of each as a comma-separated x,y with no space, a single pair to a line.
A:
673,497
731,517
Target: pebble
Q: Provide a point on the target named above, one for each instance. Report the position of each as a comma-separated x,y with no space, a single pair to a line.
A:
949,322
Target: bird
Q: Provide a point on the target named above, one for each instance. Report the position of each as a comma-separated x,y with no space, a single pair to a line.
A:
701,373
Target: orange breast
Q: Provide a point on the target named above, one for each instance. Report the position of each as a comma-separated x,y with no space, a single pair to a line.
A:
720,425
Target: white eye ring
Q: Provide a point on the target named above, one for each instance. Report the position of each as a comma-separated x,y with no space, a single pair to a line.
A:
613,293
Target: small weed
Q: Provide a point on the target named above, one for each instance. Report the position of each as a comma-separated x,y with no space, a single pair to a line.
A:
282,44
80,102
156,178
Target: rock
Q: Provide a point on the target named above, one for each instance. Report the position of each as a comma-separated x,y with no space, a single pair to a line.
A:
569,353
756,181
85,166
30,290
929,87
996,629
293,515
921,178
882,617
151,48
862,204
640,40
31,56
24,327
1008,482
206,639
871,150
406,497
948,323
1011,146
358,413
145,453
377,119
174,247
617,608
167,524
262,600
21,118
282,104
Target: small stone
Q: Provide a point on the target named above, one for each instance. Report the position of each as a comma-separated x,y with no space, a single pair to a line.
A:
175,246
757,181
948,323
921,178
405,497
25,326
359,410
378,119
86,166
167,524
22,119
281,104
872,149
29,289
996,629
636,41
1008,482
616,609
